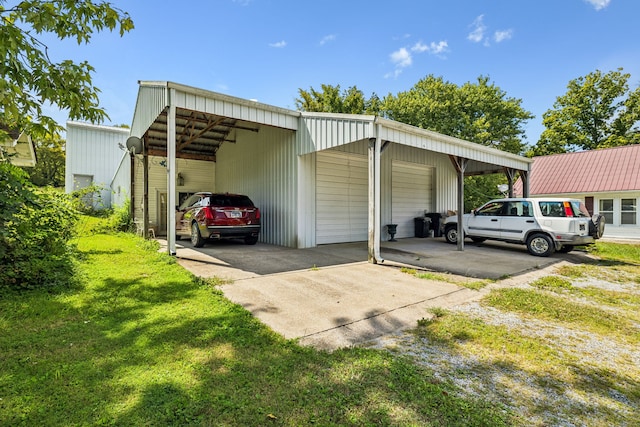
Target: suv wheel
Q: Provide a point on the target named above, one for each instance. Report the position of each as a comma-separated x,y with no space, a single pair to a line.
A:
596,227
451,233
251,240
196,237
540,245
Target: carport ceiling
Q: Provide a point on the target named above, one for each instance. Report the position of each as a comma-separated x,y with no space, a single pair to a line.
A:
198,135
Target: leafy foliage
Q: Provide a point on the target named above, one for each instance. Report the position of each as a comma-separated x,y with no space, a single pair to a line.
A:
598,111
50,167
479,112
37,225
331,100
29,77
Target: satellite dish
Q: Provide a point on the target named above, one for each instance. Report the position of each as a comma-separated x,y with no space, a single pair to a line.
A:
134,144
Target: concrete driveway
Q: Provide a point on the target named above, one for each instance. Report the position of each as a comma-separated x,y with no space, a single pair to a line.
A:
330,297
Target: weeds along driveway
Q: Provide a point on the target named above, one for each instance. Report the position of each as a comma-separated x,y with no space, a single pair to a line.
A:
330,297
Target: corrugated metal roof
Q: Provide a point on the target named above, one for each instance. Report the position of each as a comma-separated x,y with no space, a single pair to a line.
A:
605,170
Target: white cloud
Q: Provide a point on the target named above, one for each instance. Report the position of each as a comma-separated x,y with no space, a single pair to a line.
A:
433,47
477,34
402,58
327,39
279,44
500,36
599,4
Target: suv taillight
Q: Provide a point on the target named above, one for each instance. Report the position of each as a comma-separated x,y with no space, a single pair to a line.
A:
257,213
208,214
568,211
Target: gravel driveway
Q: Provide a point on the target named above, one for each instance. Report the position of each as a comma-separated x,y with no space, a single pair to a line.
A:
607,369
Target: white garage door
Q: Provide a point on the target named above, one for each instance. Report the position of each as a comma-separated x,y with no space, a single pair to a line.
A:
341,198
411,194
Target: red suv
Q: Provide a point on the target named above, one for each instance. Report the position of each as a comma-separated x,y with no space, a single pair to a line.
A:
218,216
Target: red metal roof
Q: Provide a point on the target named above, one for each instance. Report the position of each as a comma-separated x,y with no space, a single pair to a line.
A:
609,169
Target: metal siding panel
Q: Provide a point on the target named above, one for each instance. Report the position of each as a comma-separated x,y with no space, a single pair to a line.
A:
264,166
411,195
93,150
150,103
341,197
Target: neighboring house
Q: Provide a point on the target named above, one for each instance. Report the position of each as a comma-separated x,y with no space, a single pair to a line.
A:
93,154
607,180
317,177
19,149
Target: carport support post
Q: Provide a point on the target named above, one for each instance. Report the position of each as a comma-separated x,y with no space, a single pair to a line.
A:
524,176
145,196
511,174
373,248
460,164
171,176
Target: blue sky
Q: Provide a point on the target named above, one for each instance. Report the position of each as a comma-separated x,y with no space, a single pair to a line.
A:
268,49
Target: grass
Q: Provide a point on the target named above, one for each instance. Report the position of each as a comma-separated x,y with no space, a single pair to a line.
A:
448,278
560,351
142,342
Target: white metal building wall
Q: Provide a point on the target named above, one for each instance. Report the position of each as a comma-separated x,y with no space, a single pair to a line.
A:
411,195
93,150
121,182
264,166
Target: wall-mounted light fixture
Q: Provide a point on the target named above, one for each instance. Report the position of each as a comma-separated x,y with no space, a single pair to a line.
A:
180,179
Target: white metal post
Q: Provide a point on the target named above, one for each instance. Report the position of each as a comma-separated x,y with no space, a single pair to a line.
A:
171,174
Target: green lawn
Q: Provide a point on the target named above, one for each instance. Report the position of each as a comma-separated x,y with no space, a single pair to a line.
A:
139,341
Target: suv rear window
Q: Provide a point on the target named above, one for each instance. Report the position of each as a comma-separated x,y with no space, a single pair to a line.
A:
563,209
227,200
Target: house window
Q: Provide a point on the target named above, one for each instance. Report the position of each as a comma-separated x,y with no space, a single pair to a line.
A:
606,209
628,211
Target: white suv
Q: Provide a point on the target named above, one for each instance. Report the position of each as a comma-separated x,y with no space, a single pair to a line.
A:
544,225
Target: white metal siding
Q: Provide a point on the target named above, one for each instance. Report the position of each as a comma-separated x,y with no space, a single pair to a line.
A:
342,197
93,150
264,166
411,195
121,182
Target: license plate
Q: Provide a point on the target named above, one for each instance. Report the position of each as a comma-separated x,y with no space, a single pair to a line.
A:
235,214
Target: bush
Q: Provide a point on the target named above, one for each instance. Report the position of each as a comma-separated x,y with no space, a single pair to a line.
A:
37,225
120,219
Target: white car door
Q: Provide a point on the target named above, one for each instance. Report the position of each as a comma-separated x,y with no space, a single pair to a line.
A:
517,220
486,221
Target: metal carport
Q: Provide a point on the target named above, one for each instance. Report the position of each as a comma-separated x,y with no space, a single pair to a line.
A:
177,121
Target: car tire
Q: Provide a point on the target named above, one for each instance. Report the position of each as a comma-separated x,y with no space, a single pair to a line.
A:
196,237
565,249
451,233
597,227
251,240
478,239
540,244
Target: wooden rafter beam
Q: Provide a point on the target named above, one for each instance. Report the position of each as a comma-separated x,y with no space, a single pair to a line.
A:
188,156
197,133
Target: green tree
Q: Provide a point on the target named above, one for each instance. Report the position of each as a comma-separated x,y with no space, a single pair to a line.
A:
30,78
479,112
50,167
331,100
597,111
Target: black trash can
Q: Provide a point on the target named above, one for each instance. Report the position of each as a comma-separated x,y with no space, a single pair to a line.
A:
436,218
422,226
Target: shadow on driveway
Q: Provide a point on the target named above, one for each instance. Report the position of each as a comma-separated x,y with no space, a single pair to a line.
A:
489,260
